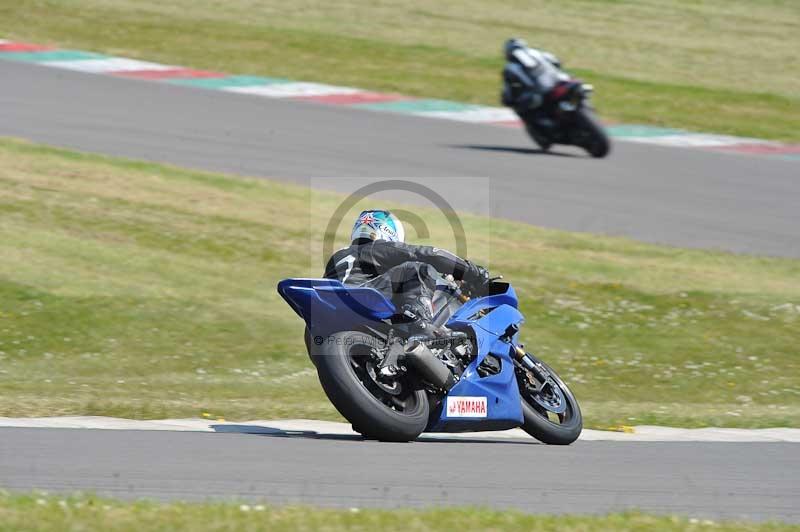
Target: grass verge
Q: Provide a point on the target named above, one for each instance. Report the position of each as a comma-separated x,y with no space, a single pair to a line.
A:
146,291
719,65
42,513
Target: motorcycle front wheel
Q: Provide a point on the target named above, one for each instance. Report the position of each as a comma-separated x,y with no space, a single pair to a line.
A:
590,135
550,414
395,410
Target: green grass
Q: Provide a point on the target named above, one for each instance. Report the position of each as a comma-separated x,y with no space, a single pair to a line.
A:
145,291
43,513
717,65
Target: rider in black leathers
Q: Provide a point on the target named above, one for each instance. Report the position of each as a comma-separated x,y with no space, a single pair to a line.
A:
378,258
529,75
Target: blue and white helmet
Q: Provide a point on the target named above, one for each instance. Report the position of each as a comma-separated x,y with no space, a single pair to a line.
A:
378,225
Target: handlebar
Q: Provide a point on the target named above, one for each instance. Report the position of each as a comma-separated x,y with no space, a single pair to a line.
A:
458,286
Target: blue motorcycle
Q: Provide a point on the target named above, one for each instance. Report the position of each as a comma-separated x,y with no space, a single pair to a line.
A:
392,384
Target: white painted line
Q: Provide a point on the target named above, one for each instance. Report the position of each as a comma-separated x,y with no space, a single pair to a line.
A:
288,90
112,64
486,114
694,140
640,433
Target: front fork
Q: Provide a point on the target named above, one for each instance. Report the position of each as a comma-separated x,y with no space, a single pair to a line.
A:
527,362
521,356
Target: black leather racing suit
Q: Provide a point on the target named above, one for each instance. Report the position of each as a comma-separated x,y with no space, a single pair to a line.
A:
528,76
404,273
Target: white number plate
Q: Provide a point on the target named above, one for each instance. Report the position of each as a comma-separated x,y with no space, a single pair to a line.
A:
466,407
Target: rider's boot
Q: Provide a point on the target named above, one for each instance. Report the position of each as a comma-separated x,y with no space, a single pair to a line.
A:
420,312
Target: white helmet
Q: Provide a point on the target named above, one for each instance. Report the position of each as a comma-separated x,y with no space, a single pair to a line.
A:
378,225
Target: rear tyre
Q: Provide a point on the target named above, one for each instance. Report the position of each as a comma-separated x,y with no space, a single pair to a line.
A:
395,411
542,141
547,427
591,136
311,346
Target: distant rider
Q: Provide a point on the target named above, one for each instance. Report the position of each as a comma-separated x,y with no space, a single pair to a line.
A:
529,75
378,258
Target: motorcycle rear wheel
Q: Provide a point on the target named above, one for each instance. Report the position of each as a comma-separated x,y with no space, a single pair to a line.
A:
542,141
547,427
395,411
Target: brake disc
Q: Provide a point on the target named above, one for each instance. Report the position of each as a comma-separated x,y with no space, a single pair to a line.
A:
550,397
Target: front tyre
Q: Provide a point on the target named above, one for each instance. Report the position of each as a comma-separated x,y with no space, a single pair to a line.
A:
550,414
590,135
390,411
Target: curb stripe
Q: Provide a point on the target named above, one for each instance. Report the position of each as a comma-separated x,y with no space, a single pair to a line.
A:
698,140
292,89
227,81
354,98
165,73
763,148
418,106
486,114
508,123
268,87
8,46
626,131
52,55
105,66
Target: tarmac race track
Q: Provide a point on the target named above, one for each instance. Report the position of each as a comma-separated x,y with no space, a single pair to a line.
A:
708,480
678,196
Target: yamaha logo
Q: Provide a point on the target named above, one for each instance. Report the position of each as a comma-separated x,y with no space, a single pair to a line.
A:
466,407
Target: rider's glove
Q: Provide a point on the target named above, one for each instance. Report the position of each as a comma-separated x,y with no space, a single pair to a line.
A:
477,278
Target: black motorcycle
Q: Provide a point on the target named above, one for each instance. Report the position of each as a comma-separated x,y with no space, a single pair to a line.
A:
567,117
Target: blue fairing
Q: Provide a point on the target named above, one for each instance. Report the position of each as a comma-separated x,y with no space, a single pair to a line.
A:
327,306
461,317
504,409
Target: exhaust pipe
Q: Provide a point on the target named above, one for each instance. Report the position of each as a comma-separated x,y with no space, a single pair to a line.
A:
430,368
